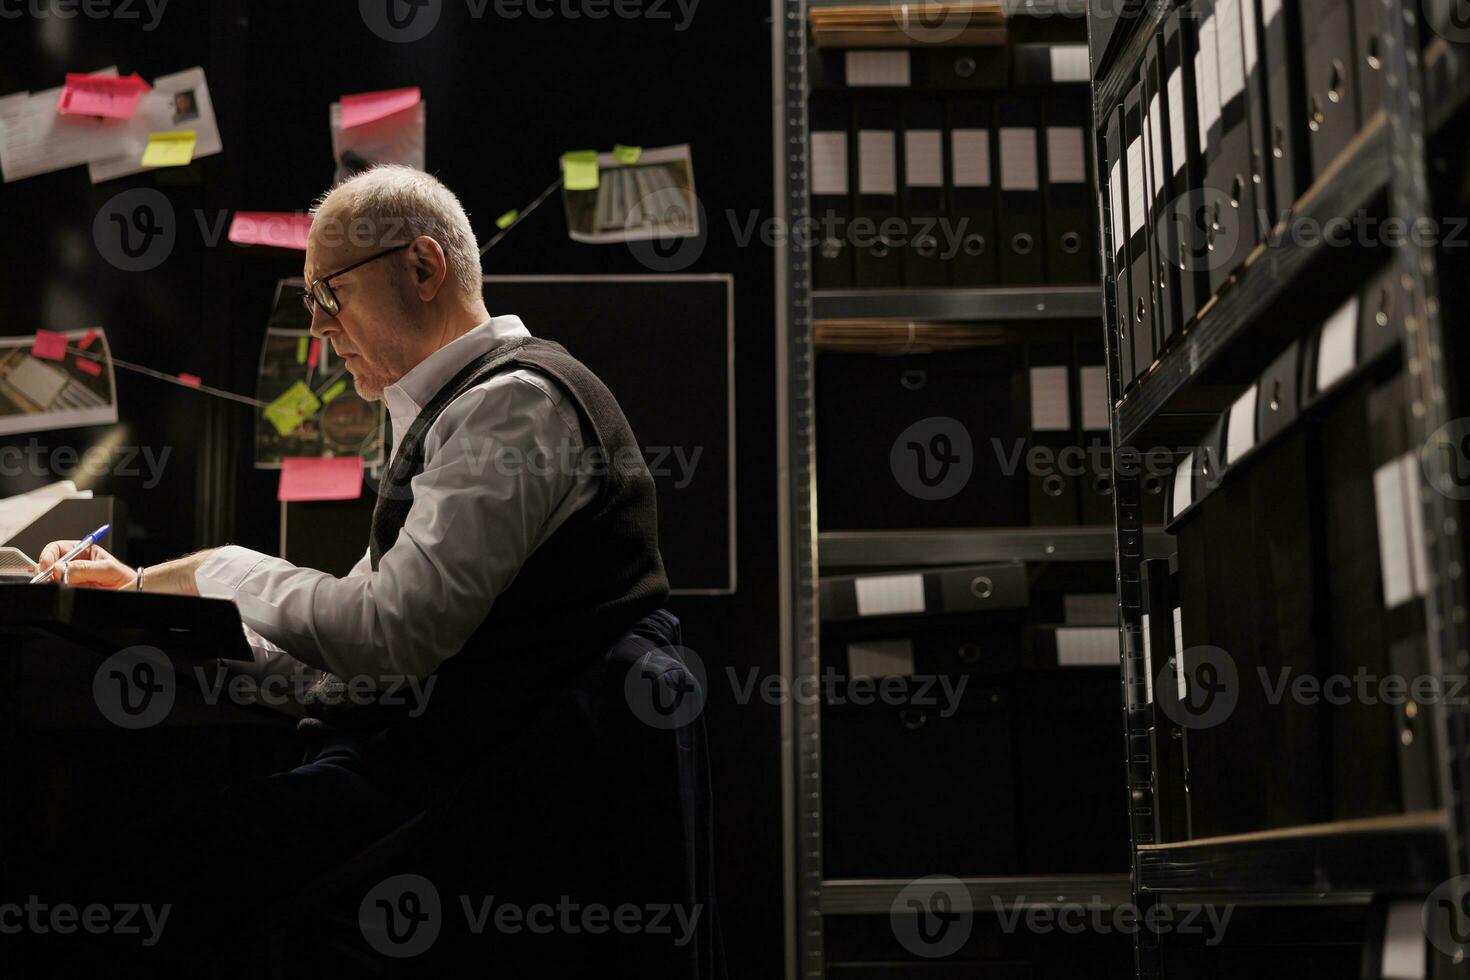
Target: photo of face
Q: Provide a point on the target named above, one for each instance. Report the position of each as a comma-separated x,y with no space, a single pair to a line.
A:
185,108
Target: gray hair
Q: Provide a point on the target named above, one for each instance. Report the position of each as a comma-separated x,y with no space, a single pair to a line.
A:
392,203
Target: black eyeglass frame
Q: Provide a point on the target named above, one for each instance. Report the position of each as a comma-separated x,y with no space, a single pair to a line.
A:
320,290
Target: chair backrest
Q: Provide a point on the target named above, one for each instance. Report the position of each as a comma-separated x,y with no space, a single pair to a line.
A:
605,801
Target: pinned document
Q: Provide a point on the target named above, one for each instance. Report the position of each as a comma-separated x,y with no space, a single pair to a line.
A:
325,478
579,170
292,408
101,95
278,229
49,345
367,107
171,149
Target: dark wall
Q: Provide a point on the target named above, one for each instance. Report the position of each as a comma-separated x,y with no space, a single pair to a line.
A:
505,98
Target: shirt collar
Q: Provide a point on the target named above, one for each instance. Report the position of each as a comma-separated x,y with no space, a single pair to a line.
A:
407,397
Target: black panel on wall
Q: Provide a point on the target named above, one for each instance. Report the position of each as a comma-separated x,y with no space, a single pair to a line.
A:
506,95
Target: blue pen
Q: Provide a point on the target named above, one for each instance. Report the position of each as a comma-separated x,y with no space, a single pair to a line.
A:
82,546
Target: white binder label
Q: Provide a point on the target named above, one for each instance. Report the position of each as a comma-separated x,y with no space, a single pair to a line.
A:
1183,487
884,595
1240,436
1148,663
1270,10
1094,397
1180,687
1115,191
1395,561
1066,162
1232,58
881,658
878,68
1018,159
970,152
1177,135
1156,144
1086,646
1409,464
829,163
877,169
1051,408
923,158
1135,187
1207,80
1069,63
1337,349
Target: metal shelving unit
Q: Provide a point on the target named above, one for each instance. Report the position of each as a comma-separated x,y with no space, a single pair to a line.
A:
1353,862
870,896
880,549
999,303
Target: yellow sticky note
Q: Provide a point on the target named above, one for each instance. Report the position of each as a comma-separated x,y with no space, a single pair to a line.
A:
294,407
331,393
579,169
507,219
169,149
301,349
627,154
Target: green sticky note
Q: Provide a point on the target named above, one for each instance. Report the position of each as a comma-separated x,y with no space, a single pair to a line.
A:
627,154
579,169
331,393
294,407
174,149
507,219
301,348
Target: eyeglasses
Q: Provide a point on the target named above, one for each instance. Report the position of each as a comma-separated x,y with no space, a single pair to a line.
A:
319,291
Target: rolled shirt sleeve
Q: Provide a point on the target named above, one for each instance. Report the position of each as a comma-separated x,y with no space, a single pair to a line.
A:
499,478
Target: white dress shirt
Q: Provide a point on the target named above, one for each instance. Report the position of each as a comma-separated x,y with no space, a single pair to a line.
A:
494,487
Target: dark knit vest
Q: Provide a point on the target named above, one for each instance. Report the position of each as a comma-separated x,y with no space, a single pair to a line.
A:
574,596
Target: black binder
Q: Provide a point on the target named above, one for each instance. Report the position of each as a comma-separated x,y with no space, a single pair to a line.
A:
1286,95
1327,39
982,69
1050,66
923,193
1118,232
1096,486
1276,394
1071,246
1052,489
878,263
1258,116
1230,188
1183,231
831,191
1022,250
1140,266
1157,587
1380,314
972,191
1162,274
1369,30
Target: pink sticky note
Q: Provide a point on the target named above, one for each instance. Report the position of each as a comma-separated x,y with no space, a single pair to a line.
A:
369,107
101,95
279,229
309,478
190,379
88,340
50,345
314,355
89,367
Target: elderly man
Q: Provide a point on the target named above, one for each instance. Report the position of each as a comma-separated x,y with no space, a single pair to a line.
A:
505,551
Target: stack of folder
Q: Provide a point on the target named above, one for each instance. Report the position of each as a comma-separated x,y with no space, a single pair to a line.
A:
883,24
1236,107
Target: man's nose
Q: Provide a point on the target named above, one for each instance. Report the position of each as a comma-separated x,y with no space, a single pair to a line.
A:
322,324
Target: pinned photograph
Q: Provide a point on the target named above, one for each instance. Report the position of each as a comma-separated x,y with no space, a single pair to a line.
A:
56,380
630,196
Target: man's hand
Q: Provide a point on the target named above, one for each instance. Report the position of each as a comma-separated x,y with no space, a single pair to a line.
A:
94,568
